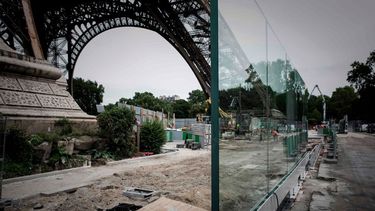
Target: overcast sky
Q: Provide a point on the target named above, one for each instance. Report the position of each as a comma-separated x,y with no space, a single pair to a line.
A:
322,38
128,60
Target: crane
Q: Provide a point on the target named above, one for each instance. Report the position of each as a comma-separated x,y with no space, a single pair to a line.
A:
323,99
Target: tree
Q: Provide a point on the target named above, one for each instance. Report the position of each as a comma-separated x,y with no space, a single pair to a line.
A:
315,117
315,108
181,108
342,101
148,101
250,99
87,94
197,101
117,124
196,97
145,99
362,77
152,136
281,102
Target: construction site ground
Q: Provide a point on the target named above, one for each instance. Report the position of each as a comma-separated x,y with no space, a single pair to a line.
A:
183,176
244,176
347,185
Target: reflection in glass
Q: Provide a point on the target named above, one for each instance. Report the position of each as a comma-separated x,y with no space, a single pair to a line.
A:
262,98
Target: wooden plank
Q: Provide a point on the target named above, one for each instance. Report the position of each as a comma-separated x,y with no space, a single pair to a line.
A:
165,204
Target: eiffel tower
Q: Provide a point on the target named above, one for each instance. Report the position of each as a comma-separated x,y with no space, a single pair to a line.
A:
58,31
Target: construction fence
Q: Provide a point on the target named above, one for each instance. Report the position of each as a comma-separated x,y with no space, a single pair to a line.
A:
144,115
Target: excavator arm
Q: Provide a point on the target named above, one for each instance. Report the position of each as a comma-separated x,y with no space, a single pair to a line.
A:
222,113
323,99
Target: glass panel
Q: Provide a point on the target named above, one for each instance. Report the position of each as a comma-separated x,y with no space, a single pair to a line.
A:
296,105
243,100
262,107
277,88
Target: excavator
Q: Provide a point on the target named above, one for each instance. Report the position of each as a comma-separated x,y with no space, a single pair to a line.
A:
222,113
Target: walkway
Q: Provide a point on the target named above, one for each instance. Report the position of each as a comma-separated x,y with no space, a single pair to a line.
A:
347,185
48,184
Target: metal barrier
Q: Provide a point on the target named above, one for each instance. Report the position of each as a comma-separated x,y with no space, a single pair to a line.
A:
290,184
314,154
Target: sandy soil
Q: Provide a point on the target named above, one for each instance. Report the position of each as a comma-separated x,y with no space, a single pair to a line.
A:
244,177
187,180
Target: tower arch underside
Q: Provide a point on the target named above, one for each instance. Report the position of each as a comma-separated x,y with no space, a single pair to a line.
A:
90,33
84,26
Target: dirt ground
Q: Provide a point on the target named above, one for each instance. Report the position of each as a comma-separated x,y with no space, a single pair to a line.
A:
243,179
244,176
350,183
187,181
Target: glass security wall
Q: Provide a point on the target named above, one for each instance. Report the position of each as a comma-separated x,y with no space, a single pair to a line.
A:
262,98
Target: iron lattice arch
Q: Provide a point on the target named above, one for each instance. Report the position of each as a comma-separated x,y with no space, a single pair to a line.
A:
66,27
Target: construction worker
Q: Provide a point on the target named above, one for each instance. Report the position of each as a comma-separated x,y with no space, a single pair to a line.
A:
275,134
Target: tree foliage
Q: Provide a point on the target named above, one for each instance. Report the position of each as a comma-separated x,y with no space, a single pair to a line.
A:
342,101
315,117
362,78
18,154
148,101
196,97
116,124
152,136
197,101
315,109
18,148
181,108
87,94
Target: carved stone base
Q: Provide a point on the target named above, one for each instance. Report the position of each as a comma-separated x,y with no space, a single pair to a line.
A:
33,125
34,91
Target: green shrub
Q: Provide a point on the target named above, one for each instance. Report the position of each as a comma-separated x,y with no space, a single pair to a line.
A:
58,155
18,148
15,169
152,136
49,137
18,153
102,154
117,125
35,139
64,126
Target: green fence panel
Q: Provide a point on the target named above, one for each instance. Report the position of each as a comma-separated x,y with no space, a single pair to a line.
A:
169,135
196,138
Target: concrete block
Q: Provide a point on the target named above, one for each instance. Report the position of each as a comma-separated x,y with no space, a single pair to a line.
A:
84,142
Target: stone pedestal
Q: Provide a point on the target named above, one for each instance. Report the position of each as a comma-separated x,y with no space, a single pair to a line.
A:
33,93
